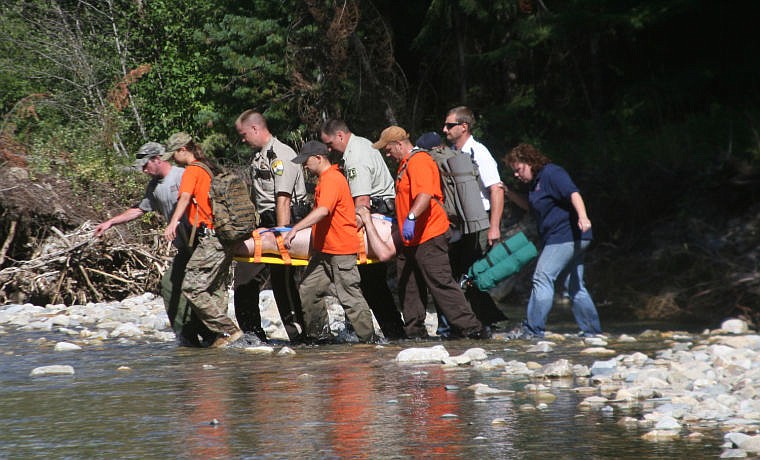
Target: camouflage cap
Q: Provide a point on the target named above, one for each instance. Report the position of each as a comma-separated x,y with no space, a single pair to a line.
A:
175,142
145,153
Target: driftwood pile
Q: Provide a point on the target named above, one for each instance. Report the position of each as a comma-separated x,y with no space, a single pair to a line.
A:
76,268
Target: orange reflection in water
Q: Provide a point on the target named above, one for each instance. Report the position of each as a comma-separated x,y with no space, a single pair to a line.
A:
428,432
350,410
207,399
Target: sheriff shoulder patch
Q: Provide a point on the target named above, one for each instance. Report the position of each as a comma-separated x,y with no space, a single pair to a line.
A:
277,167
351,173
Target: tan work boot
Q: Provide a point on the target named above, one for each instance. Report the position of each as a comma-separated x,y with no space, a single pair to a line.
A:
227,339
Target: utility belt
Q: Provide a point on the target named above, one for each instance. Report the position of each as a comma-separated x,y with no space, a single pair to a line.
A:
383,205
204,231
298,211
197,234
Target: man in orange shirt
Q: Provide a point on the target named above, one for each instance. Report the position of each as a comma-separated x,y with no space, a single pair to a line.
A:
424,236
334,245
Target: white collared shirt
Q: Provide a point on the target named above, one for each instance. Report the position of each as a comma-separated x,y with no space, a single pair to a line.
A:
487,167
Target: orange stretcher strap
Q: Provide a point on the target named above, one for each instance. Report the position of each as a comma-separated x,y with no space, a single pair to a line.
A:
362,254
284,254
257,246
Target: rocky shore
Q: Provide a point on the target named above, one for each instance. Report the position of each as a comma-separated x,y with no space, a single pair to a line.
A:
698,382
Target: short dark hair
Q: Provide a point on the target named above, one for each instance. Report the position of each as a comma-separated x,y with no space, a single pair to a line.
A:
253,117
464,115
332,126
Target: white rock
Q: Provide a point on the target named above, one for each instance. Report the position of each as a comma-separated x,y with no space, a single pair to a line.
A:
286,351
592,401
742,342
752,444
541,347
482,389
559,368
260,350
60,320
735,326
435,354
607,367
126,330
660,435
66,346
472,354
598,351
735,438
57,369
579,370
595,341
667,423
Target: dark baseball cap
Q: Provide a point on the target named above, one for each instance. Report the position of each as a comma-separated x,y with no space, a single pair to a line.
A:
310,149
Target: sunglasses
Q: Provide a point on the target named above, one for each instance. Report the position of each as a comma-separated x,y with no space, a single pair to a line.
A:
451,125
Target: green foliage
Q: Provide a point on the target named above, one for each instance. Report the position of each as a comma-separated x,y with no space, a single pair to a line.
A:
612,87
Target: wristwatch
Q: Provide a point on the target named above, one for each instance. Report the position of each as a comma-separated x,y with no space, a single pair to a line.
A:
411,216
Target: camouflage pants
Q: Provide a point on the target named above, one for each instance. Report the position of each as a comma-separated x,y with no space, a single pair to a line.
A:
184,322
323,271
205,284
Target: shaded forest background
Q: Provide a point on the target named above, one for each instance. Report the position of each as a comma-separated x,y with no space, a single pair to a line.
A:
653,107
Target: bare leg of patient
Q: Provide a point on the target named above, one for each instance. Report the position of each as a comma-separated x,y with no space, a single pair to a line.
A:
300,247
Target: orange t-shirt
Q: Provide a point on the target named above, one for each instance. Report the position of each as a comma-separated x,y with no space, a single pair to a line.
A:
197,182
336,233
417,174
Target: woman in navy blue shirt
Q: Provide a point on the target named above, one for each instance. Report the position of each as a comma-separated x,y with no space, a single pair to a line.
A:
565,232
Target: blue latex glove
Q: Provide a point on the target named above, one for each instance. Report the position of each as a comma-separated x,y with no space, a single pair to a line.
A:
408,229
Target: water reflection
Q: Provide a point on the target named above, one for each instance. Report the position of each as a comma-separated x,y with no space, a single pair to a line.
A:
328,402
207,398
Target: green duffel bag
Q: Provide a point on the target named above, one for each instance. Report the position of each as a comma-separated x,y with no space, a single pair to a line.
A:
502,261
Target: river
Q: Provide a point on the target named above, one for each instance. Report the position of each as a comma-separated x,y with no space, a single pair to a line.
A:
156,400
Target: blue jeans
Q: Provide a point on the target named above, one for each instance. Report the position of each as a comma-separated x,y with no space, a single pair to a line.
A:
555,260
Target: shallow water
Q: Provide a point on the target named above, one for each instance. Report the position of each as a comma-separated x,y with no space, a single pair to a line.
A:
337,401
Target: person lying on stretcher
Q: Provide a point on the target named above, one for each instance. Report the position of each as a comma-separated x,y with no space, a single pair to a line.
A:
378,239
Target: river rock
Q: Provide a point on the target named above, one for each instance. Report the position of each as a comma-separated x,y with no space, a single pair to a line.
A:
472,354
607,367
541,347
66,346
660,435
747,342
733,453
593,401
260,350
435,354
750,444
481,389
598,351
129,330
557,369
517,368
286,351
580,370
667,423
490,364
595,341
56,369
735,326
